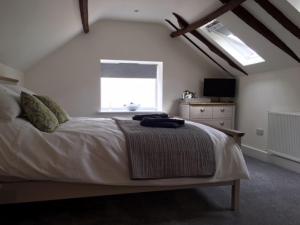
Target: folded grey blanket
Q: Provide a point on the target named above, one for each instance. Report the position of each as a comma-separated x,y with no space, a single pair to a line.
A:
156,153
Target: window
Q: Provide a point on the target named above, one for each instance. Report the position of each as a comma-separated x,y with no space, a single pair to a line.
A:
295,3
125,82
231,43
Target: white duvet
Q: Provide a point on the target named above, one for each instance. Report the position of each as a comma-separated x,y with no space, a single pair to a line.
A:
90,150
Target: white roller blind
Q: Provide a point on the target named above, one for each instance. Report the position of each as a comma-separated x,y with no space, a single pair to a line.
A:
128,70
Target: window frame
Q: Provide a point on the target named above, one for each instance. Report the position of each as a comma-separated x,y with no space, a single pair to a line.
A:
295,4
158,86
230,48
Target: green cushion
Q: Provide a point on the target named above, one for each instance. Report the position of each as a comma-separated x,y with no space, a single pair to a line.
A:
38,114
58,111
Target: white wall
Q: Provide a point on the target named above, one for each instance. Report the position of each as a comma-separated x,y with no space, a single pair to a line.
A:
7,71
71,74
259,93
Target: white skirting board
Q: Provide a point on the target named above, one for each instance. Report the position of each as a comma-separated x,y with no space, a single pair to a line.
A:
270,158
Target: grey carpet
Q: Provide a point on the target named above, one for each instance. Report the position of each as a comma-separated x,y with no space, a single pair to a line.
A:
271,197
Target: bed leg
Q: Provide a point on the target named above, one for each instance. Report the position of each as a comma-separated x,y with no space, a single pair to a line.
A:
235,195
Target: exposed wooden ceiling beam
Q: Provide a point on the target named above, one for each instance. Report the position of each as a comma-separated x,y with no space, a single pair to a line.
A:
279,16
183,23
220,11
83,5
195,45
248,18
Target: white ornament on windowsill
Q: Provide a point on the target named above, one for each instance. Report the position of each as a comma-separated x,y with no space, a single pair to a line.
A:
132,107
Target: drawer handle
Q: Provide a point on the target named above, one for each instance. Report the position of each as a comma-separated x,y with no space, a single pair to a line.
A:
202,110
222,123
222,110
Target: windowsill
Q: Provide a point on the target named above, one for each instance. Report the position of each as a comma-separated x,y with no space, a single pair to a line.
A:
130,112
124,113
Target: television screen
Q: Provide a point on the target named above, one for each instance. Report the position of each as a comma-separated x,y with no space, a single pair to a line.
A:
219,87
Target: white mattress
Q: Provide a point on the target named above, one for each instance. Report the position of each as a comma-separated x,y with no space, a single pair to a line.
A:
89,150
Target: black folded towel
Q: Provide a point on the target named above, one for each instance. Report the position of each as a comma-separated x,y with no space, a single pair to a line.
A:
162,122
158,115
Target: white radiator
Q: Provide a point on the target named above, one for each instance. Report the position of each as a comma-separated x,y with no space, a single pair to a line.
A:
284,135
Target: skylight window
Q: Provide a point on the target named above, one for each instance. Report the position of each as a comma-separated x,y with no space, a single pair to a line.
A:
295,3
231,43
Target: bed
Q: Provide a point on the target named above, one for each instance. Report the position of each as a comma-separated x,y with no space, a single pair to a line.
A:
87,157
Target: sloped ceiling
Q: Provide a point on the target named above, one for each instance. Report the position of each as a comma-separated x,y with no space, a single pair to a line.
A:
275,58
31,29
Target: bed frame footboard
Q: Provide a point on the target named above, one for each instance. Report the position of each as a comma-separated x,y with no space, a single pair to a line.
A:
34,191
235,195
235,134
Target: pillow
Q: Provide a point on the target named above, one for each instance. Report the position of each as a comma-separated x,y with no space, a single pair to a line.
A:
9,106
17,89
59,112
38,114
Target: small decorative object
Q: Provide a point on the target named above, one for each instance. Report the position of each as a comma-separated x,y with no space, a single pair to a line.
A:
188,94
132,107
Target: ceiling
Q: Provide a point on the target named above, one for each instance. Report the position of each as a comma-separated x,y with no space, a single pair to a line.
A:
31,29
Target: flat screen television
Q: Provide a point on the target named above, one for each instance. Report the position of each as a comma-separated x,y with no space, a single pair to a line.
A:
215,87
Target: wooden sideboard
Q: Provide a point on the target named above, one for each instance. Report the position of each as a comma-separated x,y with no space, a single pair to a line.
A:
216,114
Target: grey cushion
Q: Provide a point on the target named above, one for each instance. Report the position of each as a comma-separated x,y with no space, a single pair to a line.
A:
38,114
58,111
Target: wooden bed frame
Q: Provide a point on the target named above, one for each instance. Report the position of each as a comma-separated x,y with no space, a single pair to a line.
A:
21,191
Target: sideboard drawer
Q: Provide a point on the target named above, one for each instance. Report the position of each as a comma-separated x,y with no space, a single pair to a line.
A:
216,114
227,123
222,112
199,112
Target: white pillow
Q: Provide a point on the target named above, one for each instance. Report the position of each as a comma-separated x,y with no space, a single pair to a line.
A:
17,89
9,105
